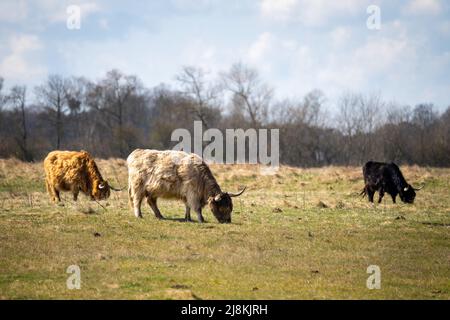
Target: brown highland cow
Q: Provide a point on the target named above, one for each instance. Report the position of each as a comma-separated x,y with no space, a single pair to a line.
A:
74,171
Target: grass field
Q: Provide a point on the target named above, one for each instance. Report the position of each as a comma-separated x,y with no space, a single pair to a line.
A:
298,234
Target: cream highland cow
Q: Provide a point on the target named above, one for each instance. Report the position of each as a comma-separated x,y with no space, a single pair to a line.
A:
154,174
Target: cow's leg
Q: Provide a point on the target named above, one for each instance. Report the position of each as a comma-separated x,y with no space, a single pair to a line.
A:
130,196
187,215
49,190
136,200
56,192
75,190
52,192
370,194
152,203
192,202
199,215
393,197
381,195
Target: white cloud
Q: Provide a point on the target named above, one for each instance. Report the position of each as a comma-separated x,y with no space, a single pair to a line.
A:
23,43
13,11
278,9
340,35
444,28
387,58
20,64
193,5
139,53
364,62
341,54
423,7
310,13
103,24
56,11
379,55
203,55
268,53
260,47
38,14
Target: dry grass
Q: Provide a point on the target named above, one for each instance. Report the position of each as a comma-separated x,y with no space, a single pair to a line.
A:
300,233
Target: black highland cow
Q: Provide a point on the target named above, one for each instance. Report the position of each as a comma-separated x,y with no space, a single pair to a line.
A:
386,178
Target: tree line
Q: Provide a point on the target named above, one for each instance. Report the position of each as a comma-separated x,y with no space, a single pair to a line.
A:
116,114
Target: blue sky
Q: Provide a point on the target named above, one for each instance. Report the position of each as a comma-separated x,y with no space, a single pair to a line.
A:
297,45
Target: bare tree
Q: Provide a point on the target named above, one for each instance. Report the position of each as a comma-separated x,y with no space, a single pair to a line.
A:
113,97
424,117
205,96
302,123
349,122
116,114
308,111
2,96
2,100
372,110
397,114
358,117
443,142
170,110
248,92
348,118
371,116
17,99
394,132
2,117
53,96
76,93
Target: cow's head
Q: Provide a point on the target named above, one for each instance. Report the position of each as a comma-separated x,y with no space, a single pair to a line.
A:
221,205
101,190
408,194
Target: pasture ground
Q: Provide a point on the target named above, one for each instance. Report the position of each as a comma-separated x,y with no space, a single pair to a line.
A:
298,234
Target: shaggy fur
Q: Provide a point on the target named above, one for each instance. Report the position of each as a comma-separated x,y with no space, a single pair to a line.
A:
175,174
386,178
74,171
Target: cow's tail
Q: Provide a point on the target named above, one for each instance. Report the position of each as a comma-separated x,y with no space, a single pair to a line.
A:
363,193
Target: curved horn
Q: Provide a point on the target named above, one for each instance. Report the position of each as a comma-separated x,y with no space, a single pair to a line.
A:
101,186
115,189
237,194
420,188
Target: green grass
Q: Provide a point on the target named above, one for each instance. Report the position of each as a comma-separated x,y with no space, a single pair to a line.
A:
281,245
